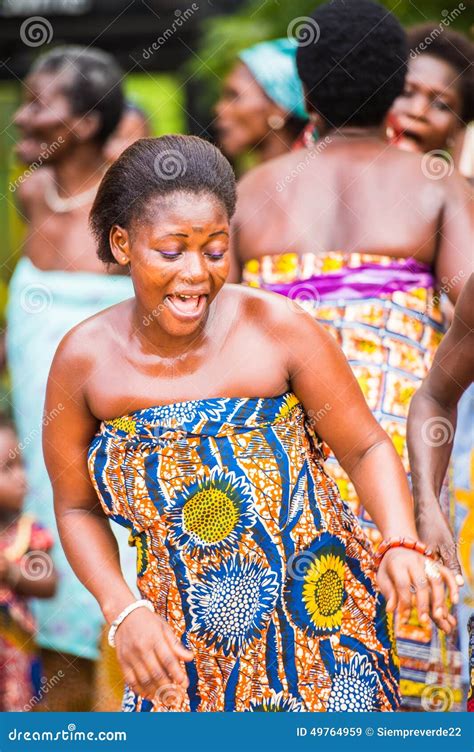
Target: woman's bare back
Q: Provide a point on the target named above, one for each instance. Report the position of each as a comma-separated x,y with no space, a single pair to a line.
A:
364,197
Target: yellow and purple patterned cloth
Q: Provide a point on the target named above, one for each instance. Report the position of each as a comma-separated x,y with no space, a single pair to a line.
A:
385,314
246,549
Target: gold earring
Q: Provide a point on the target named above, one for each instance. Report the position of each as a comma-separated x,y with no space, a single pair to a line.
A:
275,122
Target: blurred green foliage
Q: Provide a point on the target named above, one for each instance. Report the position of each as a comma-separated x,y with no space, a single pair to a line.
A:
224,36
162,98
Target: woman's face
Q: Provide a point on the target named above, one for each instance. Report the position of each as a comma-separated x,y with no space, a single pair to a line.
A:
45,118
179,260
242,113
427,114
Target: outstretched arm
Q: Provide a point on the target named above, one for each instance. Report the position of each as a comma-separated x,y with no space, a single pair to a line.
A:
147,649
322,379
454,258
432,423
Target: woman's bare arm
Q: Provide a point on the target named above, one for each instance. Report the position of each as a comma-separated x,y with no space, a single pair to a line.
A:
82,524
322,379
454,259
147,649
432,424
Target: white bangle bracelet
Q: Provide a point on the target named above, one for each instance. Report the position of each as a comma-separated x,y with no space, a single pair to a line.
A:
123,615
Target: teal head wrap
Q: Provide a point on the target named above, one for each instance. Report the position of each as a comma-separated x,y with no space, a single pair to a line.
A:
273,65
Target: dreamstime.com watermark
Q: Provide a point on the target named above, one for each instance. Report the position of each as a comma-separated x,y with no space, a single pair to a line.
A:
153,315
304,30
171,696
47,151
46,686
170,164
36,31
69,735
302,297
437,431
314,416
437,699
36,298
446,21
180,18
437,164
446,287
34,566
36,432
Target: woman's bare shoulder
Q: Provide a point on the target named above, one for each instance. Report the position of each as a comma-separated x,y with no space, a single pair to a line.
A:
86,341
279,315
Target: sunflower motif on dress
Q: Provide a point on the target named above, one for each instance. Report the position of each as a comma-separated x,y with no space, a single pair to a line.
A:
231,605
355,686
277,703
211,514
314,589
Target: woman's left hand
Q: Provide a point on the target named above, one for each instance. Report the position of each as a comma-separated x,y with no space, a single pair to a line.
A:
405,576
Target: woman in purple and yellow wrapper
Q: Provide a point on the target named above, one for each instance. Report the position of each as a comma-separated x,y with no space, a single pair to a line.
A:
358,233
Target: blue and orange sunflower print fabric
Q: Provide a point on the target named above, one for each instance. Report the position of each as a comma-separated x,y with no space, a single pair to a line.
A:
245,547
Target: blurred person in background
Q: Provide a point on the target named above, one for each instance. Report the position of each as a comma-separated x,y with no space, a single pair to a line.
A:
437,101
72,104
133,125
437,403
261,109
432,115
26,571
359,233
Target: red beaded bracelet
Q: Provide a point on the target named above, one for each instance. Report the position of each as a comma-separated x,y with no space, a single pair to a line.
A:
412,545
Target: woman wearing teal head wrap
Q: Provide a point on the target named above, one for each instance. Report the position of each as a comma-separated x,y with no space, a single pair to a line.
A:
261,108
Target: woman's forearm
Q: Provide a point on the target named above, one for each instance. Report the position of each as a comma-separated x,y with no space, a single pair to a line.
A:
430,434
381,484
92,551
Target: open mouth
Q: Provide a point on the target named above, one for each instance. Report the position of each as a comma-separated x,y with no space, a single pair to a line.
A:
186,306
412,135
405,137
410,141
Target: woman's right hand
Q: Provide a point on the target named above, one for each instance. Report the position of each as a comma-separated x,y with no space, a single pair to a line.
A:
151,656
434,530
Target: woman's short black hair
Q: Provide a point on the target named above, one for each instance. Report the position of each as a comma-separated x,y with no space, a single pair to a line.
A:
157,167
355,65
93,83
456,50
